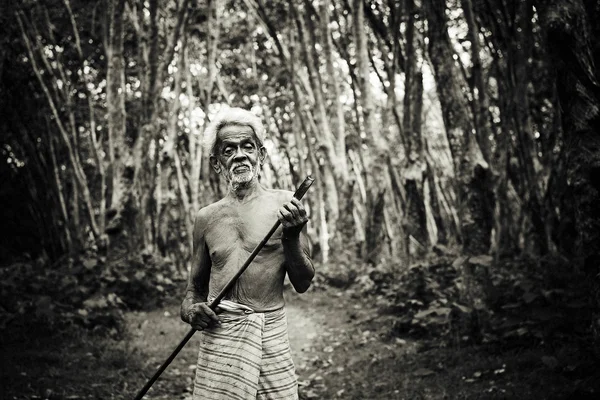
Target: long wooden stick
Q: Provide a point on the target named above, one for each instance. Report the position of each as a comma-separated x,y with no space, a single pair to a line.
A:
300,192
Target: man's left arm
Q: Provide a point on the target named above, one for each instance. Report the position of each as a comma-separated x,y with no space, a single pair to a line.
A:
295,244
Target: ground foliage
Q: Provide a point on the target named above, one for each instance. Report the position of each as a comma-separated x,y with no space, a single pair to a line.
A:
86,290
473,300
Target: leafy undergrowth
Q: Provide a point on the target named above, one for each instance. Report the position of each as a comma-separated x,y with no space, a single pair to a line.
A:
84,291
474,300
84,365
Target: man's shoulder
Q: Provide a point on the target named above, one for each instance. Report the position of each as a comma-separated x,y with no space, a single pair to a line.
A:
210,209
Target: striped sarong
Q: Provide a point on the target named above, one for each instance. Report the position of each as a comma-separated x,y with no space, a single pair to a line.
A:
246,358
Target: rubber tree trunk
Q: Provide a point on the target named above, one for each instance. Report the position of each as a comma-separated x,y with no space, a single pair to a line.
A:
318,120
121,211
573,41
66,126
334,88
526,146
483,124
472,172
376,161
115,100
133,223
415,219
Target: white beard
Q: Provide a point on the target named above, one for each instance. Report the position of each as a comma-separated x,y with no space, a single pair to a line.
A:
240,179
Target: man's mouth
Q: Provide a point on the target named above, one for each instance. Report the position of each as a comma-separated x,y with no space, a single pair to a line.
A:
241,168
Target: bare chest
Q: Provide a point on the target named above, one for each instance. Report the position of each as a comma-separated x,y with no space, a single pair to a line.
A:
236,232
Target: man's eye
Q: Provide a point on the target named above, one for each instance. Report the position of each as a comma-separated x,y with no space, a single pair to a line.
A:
227,151
248,146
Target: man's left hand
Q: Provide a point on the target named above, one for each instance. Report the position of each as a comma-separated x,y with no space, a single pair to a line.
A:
293,217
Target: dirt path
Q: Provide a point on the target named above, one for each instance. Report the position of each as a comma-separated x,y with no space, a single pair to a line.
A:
327,335
335,347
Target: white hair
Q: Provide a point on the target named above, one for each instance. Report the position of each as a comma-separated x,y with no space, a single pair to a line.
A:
232,116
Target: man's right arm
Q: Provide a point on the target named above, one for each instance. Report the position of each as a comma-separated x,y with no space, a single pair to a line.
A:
194,309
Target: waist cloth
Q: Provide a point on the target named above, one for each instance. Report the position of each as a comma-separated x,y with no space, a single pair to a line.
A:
247,357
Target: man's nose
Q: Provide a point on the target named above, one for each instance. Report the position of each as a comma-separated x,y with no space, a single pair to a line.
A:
239,154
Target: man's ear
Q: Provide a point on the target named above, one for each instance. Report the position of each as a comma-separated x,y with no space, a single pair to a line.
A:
262,155
214,161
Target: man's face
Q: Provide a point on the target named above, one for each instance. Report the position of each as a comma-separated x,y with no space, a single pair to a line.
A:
238,154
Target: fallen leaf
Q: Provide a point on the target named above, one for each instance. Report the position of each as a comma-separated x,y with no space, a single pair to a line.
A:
522,331
423,372
443,311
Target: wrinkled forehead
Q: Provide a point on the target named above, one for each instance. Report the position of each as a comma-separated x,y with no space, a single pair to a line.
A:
236,133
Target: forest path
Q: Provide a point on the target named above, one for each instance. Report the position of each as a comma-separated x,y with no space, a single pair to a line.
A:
341,344
333,345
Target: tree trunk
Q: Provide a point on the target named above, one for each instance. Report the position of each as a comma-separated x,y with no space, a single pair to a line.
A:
322,251
328,195
333,83
483,125
475,199
132,222
526,146
415,220
115,101
375,233
61,196
170,157
325,136
122,210
508,208
64,128
441,233
209,178
573,40
332,174
194,138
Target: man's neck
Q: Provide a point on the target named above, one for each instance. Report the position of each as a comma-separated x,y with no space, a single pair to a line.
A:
244,191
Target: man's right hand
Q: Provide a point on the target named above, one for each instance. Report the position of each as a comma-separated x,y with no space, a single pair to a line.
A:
200,316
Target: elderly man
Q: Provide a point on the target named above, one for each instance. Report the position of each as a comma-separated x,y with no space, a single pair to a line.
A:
244,350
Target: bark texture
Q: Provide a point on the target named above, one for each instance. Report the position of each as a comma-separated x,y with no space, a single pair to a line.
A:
573,33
